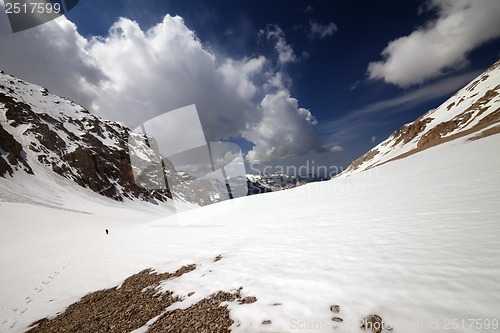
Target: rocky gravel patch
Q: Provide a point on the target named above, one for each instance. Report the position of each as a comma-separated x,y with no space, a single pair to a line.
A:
120,309
137,301
206,316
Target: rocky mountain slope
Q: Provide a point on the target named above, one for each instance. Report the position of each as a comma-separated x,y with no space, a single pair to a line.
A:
37,127
473,112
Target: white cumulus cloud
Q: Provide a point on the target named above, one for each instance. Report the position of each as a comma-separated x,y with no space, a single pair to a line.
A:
285,129
132,75
441,45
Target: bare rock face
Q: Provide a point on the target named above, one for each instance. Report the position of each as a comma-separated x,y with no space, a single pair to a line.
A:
365,158
11,149
4,167
408,132
438,134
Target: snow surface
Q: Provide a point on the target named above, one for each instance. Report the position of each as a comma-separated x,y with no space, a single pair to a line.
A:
415,241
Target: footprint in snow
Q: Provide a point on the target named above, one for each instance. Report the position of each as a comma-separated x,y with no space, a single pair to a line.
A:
9,322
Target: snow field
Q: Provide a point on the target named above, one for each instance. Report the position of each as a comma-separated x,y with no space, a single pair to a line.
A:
417,244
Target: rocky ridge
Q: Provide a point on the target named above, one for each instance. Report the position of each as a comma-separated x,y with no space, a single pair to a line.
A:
472,112
37,127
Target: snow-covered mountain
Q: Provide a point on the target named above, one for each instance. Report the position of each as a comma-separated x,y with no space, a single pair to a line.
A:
40,128
418,247
474,111
411,249
262,183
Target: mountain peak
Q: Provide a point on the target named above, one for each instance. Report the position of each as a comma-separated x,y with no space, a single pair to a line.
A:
470,114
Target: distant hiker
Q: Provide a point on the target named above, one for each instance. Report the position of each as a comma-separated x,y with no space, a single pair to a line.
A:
107,232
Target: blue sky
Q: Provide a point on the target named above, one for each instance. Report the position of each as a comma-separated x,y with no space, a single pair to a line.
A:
316,85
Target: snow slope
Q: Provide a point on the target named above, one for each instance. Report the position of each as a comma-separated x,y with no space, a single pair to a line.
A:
414,241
